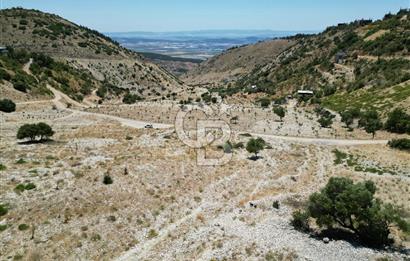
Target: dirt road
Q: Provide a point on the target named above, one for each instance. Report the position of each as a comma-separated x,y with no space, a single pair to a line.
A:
59,96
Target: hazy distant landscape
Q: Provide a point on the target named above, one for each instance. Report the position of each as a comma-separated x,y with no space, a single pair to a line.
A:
194,44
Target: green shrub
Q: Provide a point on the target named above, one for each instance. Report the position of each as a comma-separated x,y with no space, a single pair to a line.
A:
371,122
227,147
102,91
348,116
21,86
23,22
280,111
300,221
23,227
398,121
325,117
344,204
22,187
19,188
83,44
329,90
206,97
21,161
3,210
30,186
33,131
108,180
265,102
255,146
3,227
7,106
152,233
131,98
401,144
2,167
4,75
325,122
340,156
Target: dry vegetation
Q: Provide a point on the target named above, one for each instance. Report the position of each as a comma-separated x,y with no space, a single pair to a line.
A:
235,63
86,50
107,188
161,205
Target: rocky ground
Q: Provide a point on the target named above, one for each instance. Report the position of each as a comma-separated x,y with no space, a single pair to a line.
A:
298,121
161,204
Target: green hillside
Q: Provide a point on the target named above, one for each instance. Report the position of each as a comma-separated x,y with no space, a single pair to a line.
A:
45,70
359,64
48,33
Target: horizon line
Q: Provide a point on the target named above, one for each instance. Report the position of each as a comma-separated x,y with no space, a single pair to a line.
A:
211,30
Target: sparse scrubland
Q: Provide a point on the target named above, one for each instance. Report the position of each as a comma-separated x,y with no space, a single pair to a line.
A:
91,165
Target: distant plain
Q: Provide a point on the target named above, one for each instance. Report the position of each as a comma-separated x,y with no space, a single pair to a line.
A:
194,44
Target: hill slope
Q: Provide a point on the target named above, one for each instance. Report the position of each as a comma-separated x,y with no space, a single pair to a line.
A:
176,65
235,63
361,64
47,33
84,49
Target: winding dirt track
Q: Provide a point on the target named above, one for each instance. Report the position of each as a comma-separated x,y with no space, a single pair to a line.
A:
59,96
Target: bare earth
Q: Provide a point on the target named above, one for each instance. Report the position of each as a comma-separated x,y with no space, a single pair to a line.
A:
162,205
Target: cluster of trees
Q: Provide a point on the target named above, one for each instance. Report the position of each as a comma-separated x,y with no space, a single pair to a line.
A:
107,88
398,121
35,132
130,98
7,105
382,73
352,207
325,117
44,68
207,98
14,61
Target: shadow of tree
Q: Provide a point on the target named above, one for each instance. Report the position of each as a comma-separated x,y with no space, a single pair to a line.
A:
40,141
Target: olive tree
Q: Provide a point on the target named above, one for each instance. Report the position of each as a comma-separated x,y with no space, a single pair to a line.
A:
255,146
371,122
280,111
353,207
40,131
7,106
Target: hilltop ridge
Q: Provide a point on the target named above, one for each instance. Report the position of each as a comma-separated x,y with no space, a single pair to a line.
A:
87,51
364,62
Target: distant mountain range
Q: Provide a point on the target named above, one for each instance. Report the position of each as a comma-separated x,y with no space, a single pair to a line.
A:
195,44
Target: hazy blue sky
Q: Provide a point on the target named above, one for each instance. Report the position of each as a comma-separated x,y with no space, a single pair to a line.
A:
176,15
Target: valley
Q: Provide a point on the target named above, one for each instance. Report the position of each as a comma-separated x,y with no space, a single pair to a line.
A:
114,179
